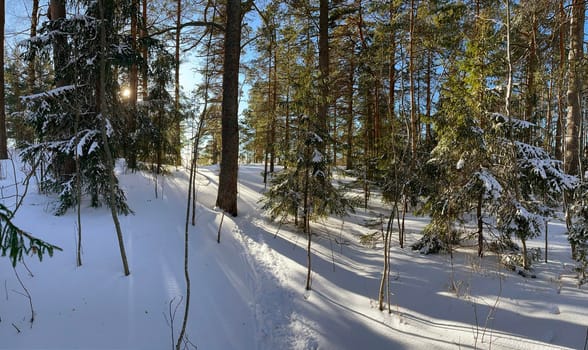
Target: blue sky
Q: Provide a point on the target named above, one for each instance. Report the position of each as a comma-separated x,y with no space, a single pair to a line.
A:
18,25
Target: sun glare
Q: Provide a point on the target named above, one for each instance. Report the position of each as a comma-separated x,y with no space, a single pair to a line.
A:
126,92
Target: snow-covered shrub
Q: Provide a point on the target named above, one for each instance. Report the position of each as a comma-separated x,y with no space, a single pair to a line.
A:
429,244
578,232
503,244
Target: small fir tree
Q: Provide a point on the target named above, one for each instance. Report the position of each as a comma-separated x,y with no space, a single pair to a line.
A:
578,232
304,189
532,180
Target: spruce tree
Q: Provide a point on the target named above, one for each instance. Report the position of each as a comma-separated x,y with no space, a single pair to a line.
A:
52,113
578,233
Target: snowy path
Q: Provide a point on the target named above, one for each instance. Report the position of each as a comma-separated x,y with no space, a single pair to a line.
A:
278,325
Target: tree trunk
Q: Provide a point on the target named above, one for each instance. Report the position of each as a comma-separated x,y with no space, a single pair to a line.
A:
384,281
307,226
560,82
480,225
532,61
102,108
32,76
133,86
526,264
429,97
350,119
274,110
575,56
3,140
60,52
193,163
145,54
324,73
414,118
177,127
227,188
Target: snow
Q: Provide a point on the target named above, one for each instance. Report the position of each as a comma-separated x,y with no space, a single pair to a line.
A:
492,187
53,93
248,291
317,156
460,164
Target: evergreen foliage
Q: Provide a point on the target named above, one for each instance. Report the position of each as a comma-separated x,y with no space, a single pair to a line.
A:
578,232
66,119
533,183
304,189
15,243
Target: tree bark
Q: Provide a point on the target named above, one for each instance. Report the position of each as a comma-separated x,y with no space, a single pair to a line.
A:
384,281
177,128
227,188
324,72
560,82
133,86
31,68
414,117
573,118
60,52
3,140
145,54
350,119
102,109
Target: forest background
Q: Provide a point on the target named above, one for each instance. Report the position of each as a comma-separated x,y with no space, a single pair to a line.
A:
459,110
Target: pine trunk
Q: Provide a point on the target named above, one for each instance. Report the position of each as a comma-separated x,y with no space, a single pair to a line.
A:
324,73
414,117
574,115
133,86
3,139
177,127
32,75
350,119
227,189
560,82
144,54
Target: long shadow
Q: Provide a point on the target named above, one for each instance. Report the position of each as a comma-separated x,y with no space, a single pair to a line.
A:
414,293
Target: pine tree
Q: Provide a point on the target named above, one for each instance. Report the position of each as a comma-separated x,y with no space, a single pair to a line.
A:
227,189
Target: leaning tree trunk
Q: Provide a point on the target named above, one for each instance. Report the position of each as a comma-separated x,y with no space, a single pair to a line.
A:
101,105
227,185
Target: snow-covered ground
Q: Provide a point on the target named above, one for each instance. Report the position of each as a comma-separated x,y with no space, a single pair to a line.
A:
248,291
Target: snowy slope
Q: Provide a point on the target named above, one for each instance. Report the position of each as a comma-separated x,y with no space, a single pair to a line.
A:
248,291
